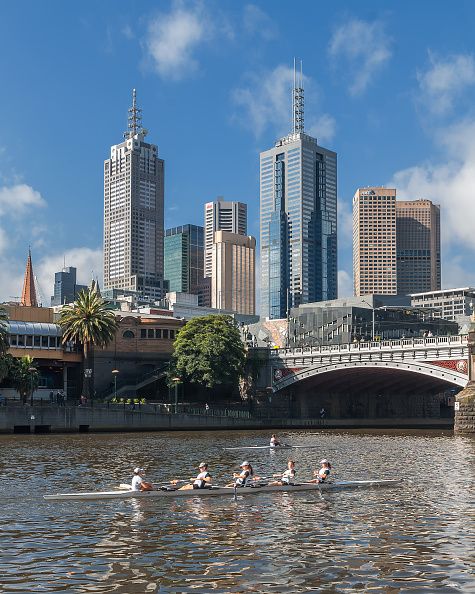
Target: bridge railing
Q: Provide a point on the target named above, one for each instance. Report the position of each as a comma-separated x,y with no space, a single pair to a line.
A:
402,343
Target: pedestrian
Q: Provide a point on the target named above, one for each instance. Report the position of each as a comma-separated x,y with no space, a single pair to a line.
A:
206,407
322,413
51,397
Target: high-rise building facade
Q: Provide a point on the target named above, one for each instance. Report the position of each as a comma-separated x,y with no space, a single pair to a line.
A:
233,273
133,213
417,246
65,287
298,219
222,215
374,241
184,258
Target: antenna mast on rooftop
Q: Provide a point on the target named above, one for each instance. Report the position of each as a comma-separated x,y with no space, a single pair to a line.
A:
134,118
297,100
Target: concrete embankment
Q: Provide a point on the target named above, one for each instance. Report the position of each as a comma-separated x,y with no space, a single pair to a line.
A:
62,419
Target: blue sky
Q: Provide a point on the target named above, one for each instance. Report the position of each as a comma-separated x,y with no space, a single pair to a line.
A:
389,86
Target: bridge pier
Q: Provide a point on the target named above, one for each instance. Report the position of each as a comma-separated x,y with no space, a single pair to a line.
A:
465,401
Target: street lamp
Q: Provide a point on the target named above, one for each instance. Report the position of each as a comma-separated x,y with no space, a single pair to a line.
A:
114,373
32,370
372,317
176,380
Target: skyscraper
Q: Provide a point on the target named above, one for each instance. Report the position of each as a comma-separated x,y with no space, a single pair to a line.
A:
418,246
133,213
65,287
233,273
374,241
298,218
222,215
184,258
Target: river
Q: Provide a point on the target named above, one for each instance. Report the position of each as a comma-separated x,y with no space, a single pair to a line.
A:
416,537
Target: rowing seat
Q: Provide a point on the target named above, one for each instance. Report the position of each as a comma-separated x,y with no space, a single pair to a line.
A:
168,488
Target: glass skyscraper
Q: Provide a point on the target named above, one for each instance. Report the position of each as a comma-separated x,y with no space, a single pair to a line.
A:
184,258
298,220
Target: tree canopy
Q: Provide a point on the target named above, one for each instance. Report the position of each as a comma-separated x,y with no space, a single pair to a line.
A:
24,375
209,351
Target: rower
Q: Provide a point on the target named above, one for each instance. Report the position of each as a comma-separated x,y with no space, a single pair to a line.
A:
138,483
202,481
287,477
274,442
244,477
322,474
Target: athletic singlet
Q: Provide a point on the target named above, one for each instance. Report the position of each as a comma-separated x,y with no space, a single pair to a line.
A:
288,476
323,474
242,479
199,482
273,442
136,482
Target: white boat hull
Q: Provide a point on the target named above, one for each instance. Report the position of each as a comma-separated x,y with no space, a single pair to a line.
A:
215,491
280,447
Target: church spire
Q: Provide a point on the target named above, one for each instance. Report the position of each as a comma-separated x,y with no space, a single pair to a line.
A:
28,295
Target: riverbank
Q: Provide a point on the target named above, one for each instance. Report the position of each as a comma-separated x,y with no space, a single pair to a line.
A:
78,419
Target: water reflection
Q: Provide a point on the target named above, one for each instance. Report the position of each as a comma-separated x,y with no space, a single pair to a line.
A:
416,537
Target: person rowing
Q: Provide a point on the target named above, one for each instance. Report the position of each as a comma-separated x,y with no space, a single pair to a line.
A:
138,482
274,442
243,478
202,481
322,474
287,477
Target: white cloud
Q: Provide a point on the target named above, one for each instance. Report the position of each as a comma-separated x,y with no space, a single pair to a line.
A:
19,199
173,38
345,284
323,128
365,48
266,102
87,261
452,185
257,22
445,80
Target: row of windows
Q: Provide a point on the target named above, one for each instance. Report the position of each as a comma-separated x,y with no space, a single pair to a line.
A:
40,342
152,333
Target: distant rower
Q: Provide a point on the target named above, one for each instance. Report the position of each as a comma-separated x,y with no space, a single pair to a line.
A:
274,442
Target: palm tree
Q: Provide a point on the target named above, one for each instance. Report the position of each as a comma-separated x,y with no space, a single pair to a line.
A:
4,341
89,323
25,377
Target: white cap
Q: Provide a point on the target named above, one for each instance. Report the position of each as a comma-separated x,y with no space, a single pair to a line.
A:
324,461
245,463
138,470
202,464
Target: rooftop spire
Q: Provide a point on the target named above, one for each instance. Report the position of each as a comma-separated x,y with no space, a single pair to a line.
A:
28,295
134,118
297,100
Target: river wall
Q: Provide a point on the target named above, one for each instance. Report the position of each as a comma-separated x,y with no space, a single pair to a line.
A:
77,419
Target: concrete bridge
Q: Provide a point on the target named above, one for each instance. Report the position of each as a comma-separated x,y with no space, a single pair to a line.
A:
416,376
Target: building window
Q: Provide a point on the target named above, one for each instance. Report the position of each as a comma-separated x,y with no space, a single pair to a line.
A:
143,333
37,341
44,342
150,333
29,341
165,334
128,334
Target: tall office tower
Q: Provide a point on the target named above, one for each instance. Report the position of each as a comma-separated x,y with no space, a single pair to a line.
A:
233,272
298,219
184,257
374,241
133,213
222,215
65,287
417,246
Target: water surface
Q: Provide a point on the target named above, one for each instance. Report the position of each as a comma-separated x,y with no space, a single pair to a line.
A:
417,537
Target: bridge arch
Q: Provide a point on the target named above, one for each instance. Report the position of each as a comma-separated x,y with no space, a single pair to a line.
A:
449,376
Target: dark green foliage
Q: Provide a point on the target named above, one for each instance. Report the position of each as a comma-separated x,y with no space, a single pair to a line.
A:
25,378
209,352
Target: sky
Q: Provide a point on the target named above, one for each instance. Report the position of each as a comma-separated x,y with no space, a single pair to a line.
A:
389,86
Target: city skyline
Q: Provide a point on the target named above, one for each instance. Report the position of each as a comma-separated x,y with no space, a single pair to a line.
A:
397,110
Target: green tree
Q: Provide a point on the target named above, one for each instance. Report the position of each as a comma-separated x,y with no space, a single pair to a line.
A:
88,322
7,363
209,352
25,378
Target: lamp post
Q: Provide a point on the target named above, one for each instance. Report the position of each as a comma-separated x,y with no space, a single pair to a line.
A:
177,381
114,373
372,318
32,370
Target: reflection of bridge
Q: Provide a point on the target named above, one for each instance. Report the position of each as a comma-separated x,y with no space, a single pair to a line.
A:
441,360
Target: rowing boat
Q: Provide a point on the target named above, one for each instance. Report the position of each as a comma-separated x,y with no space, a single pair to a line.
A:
284,446
215,491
